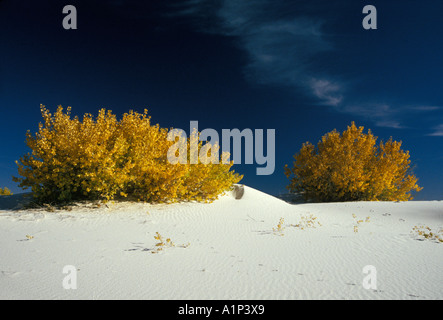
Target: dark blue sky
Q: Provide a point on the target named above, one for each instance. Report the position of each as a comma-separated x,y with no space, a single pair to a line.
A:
302,68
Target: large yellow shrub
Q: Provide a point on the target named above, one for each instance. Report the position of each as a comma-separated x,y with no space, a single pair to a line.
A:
103,158
352,167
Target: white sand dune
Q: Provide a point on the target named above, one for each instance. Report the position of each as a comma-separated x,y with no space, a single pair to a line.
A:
233,252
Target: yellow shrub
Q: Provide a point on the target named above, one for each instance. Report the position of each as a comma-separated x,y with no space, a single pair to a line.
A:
350,167
104,158
151,177
204,180
73,159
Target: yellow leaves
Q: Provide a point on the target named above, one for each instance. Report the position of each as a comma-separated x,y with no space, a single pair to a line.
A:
425,232
350,167
306,221
358,222
5,192
102,158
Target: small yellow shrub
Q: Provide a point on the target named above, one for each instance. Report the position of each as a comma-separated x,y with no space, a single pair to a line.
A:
103,158
280,227
165,243
307,221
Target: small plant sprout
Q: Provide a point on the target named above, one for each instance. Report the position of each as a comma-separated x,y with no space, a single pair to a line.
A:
307,221
358,222
280,228
29,237
426,232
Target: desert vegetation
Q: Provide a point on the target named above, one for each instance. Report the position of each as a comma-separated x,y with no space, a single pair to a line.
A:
105,158
5,192
351,166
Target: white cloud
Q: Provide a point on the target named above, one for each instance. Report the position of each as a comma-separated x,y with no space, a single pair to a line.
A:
382,114
424,108
327,91
387,123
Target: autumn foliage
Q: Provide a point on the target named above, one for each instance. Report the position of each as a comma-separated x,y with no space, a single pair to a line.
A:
351,166
105,158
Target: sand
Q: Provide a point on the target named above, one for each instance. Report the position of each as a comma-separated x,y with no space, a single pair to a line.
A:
229,249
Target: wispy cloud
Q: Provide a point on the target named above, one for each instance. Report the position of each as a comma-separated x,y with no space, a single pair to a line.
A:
438,131
385,114
280,48
421,108
328,92
382,114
